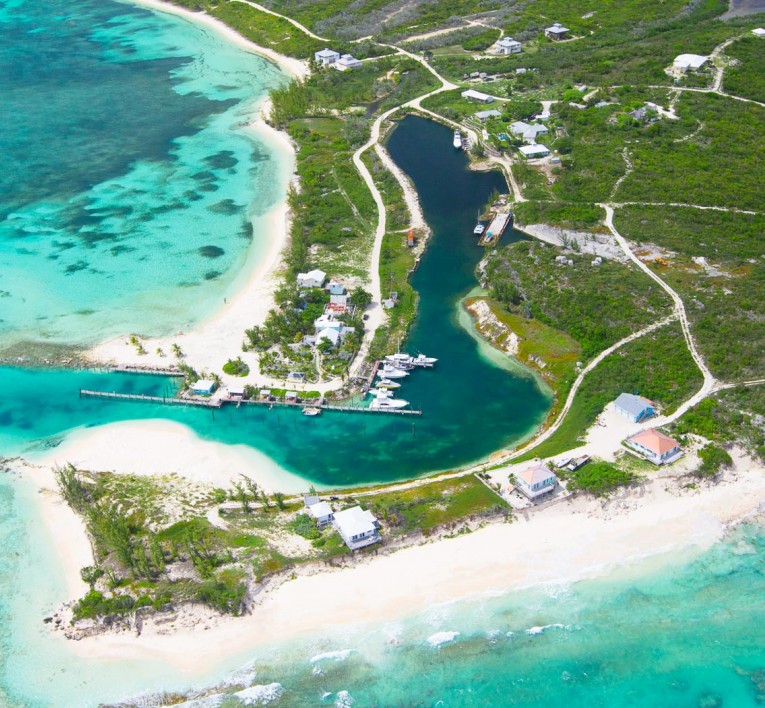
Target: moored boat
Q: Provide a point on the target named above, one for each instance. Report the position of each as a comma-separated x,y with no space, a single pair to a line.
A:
311,410
479,229
391,372
422,360
387,383
457,142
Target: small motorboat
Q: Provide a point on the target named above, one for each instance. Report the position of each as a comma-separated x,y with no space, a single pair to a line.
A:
479,229
398,358
422,360
311,410
457,142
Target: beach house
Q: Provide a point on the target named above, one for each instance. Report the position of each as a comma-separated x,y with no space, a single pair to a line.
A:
472,95
326,57
358,527
507,45
203,387
536,480
557,32
335,287
319,510
634,408
311,279
655,446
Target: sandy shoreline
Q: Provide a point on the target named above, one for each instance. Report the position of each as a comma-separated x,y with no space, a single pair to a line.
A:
574,539
211,342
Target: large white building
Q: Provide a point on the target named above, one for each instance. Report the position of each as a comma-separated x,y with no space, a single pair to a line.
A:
532,152
472,95
311,279
507,45
347,61
357,526
685,62
326,57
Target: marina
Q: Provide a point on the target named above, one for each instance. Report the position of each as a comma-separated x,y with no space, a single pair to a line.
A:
497,226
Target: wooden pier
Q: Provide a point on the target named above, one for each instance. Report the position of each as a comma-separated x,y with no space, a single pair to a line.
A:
218,402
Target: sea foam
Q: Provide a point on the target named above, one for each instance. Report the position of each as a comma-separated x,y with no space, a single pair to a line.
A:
439,638
338,655
260,695
545,627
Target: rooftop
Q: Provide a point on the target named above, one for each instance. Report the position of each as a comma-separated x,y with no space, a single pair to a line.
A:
633,404
536,474
355,521
654,440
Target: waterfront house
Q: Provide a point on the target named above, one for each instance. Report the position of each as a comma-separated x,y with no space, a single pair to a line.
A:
203,387
335,287
531,152
507,45
358,527
291,396
236,393
557,32
483,116
347,61
655,446
536,480
634,408
326,57
321,511
472,95
684,62
311,279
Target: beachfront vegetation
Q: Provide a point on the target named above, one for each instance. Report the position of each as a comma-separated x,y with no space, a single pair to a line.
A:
155,546
598,478
236,367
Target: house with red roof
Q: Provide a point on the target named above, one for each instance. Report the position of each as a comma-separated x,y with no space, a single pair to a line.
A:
655,446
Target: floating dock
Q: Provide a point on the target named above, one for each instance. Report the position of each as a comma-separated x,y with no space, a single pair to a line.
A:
496,228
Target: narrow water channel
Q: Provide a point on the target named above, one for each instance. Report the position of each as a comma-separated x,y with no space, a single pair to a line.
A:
471,406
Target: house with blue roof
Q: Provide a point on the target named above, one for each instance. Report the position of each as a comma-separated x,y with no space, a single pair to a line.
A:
634,408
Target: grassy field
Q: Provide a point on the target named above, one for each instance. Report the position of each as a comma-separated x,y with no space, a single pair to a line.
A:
657,366
722,298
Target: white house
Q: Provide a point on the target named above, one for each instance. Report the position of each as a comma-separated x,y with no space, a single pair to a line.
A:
326,57
319,510
759,32
536,480
203,387
347,61
327,321
557,32
529,132
328,335
472,95
312,279
357,526
684,62
655,446
634,408
483,116
531,152
507,45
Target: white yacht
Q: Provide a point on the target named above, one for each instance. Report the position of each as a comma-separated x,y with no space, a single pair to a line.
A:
457,142
387,383
391,372
399,358
384,400
422,360
479,229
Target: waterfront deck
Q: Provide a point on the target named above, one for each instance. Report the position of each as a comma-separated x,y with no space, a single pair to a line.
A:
495,229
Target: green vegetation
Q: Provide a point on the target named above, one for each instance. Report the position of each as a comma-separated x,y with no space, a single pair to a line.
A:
713,459
657,366
746,78
599,478
236,367
579,217
595,306
732,416
719,292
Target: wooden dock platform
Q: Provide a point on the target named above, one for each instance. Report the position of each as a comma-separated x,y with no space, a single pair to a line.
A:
216,403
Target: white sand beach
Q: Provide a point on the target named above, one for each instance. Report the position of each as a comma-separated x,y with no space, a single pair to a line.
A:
585,537
213,341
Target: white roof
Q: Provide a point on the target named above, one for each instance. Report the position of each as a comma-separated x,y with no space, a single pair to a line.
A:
519,127
759,32
320,510
331,335
690,61
354,521
508,42
531,150
470,93
204,384
488,114
327,322
236,390
327,53
557,27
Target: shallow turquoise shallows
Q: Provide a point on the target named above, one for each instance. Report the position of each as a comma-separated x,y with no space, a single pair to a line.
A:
129,182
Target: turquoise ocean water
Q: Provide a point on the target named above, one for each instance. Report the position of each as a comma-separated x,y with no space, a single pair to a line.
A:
129,183
112,113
